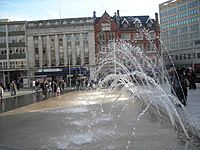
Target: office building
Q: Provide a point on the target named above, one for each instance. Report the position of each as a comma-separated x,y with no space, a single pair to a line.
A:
13,51
180,32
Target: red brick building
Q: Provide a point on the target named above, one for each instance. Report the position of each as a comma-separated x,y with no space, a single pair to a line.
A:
132,29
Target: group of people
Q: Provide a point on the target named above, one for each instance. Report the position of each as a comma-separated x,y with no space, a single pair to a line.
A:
12,88
180,80
81,82
48,86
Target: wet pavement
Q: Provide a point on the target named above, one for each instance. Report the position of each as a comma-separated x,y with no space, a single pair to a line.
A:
90,120
25,97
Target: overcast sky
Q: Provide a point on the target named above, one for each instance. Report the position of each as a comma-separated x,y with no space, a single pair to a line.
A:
19,10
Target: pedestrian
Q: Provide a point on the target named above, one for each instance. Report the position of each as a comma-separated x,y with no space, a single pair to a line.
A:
45,88
191,75
33,85
179,85
54,88
37,85
58,91
13,88
1,93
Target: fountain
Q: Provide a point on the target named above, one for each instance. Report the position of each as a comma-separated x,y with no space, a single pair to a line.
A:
131,108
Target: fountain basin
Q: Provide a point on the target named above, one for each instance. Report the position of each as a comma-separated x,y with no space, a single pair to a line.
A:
89,120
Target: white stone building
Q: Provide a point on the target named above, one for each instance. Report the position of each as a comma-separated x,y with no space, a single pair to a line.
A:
54,46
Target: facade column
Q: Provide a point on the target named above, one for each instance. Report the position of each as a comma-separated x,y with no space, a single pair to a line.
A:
73,50
82,49
40,51
48,51
7,48
65,50
31,55
91,48
56,50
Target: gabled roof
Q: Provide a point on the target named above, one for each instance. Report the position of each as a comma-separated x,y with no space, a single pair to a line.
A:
149,20
105,14
125,21
136,20
131,20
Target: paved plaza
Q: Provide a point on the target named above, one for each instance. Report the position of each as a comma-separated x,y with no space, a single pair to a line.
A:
193,103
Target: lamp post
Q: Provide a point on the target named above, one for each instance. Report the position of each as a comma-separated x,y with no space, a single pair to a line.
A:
4,80
70,83
193,57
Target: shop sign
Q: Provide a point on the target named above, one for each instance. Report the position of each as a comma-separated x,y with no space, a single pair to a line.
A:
50,70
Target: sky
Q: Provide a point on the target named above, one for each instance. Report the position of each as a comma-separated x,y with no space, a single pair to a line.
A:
21,10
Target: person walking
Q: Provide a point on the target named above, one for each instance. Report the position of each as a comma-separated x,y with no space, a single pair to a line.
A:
1,93
179,85
33,86
13,88
58,91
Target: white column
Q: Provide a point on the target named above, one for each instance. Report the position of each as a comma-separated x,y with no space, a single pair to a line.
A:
56,50
7,48
31,52
40,51
91,48
82,50
73,50
48,51
65,50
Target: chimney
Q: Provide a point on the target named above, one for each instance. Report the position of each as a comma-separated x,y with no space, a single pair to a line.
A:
94,14
156,17
118,13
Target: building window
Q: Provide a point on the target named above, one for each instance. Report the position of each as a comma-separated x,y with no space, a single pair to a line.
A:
105,26
125,36
139,36
197,42
149,25
86,52
198,55
111,36
189,56
176,57
102,36
184,56
3,28
180,56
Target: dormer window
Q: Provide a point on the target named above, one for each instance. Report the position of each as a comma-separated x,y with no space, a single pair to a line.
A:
40,24
137,24
48,24
149,24
125,23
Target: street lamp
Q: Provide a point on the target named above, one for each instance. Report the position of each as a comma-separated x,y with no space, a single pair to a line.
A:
70,84
193,53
